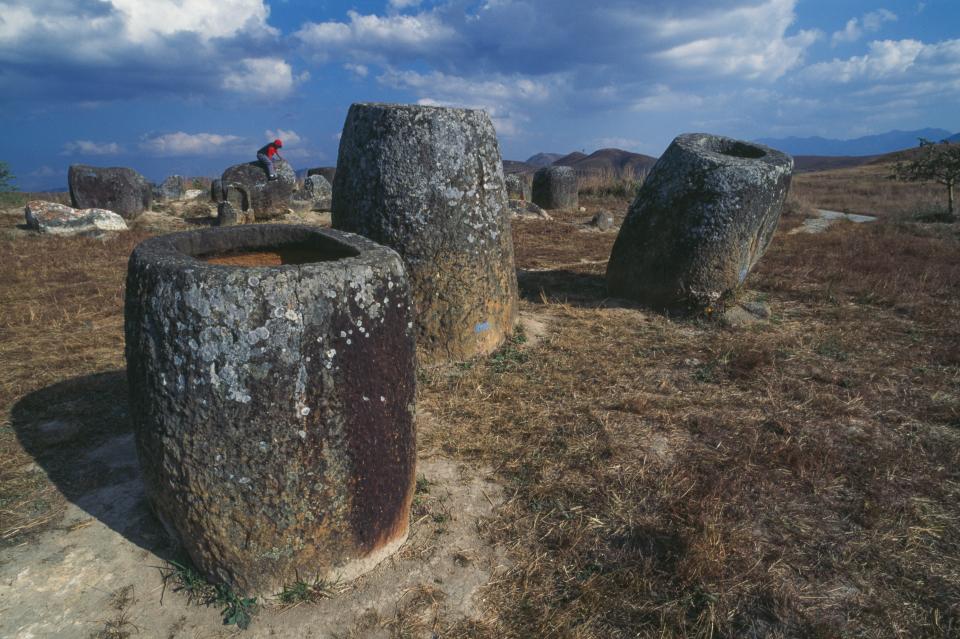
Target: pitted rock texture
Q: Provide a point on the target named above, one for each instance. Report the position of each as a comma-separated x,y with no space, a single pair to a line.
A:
428,182
230,214
518,187
60,219
318,190
704,216
273,405
173,188
329,172
117,189
267,198
555,187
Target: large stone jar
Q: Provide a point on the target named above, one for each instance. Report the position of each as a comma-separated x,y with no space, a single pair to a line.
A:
272,376
555,187
428,182
704,216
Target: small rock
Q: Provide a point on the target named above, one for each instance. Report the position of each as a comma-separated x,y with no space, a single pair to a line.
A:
192,194
757,308
522,208
583,209
60,219
602,221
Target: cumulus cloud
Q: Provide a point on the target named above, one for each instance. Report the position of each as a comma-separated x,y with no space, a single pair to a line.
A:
909,59
268,77
868,23
86,147
288,137
514,57
181,143
99,50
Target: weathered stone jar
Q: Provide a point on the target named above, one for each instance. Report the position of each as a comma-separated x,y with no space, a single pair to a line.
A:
704,216
272,376
555,187
428,182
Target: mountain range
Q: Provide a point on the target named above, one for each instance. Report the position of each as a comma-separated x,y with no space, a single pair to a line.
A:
866,145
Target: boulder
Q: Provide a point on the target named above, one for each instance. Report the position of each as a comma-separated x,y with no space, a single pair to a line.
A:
602,221
192,194
428,182
329,172
518,186
173,188
216,191
320,192
523,208
555,187
117,189
267,198
60,219
271,372
704,216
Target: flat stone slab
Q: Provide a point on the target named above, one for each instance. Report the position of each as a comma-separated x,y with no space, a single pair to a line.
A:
825,219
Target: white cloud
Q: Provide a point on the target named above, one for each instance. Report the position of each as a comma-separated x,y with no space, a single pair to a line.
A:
86,147
100,50
663,98
267,77
404,4
359,70
180,143
376,38
288,137
869,23
888,59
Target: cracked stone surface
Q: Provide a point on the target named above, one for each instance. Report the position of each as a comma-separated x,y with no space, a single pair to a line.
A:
703,218
428,182
273,405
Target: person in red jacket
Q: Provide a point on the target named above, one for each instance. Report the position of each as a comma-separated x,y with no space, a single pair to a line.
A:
266,154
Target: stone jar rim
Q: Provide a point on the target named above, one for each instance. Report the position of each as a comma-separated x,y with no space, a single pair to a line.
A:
186,249
726,150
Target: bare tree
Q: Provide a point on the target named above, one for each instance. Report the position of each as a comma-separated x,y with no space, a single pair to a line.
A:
935,162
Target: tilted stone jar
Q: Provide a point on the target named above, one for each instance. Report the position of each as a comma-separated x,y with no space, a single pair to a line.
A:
702,219
272,377
428,182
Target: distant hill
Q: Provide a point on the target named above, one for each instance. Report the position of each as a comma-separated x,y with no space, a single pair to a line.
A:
807,163
606,162
867,145
955,138
543,159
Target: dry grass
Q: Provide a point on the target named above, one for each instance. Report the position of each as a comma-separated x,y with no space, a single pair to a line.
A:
868,190
665,479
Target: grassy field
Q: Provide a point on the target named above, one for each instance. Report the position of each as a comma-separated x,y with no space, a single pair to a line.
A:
663,478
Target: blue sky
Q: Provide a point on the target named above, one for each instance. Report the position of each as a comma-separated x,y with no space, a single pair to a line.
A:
192,86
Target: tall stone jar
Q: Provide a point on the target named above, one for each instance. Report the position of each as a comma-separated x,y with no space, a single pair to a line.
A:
703,218
272,377
428,182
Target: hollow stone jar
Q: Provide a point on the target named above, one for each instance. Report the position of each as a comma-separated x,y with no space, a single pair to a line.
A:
704,216
428,182
555,187
271,374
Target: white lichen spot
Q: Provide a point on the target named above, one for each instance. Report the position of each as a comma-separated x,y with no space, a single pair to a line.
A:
305,411
292,315
343,334
349,342
366,399
244,480
331,352
253,281
382,398
264,447
302,434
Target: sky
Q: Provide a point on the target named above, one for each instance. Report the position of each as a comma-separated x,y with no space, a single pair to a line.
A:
192,86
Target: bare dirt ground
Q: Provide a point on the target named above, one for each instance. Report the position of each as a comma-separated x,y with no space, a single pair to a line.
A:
610,472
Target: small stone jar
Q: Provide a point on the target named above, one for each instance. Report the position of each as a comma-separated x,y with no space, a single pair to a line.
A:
272,377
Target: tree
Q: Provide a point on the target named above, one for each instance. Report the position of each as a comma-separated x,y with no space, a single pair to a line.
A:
6,178
935,162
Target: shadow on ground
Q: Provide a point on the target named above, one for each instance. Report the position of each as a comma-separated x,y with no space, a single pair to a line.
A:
78,431
563,286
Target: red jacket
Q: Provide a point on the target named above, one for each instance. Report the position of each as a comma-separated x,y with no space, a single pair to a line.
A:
270,150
